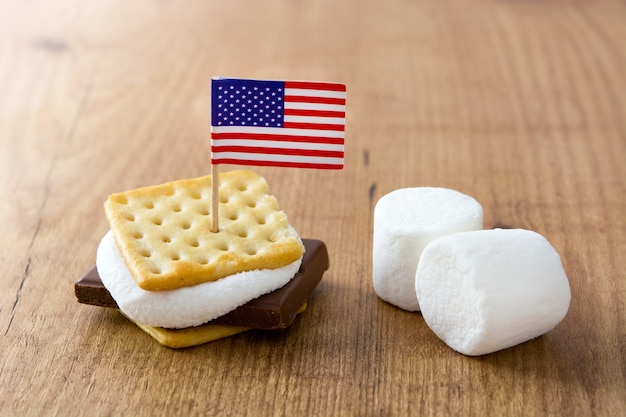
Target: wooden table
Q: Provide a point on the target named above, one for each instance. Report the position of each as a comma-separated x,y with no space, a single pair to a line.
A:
519,104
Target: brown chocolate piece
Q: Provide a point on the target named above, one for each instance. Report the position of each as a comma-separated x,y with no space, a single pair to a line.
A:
276,310
89,289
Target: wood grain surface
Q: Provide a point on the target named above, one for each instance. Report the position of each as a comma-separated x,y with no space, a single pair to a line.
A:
520,104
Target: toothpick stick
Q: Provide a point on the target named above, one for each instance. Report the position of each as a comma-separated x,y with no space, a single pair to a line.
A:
215,199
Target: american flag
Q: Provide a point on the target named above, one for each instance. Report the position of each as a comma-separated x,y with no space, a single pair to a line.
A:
278,123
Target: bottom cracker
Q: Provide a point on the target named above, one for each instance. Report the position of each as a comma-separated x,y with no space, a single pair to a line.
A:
193,336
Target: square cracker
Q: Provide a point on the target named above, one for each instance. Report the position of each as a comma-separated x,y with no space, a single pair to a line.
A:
164,232
194,336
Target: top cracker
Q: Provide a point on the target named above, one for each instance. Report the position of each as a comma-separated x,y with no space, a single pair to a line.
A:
164,232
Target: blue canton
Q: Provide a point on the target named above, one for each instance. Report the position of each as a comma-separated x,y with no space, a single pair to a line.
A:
252,103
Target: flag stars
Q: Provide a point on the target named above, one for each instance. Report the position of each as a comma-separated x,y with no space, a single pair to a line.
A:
248,103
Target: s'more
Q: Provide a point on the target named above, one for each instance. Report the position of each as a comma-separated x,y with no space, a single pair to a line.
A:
165,270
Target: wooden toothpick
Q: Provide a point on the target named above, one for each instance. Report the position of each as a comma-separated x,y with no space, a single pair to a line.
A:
215,199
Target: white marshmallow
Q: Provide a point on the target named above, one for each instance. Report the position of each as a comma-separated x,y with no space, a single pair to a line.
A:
488,290
188,306
405,221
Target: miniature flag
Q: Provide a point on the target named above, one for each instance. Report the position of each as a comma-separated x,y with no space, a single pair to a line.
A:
278,123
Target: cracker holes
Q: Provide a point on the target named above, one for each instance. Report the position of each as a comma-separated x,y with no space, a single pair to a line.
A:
203,211
176,208
166,239
149,205
157,221
130,217
194,243
185,225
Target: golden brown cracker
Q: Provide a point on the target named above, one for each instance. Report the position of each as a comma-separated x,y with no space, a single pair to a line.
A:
164,232
194,336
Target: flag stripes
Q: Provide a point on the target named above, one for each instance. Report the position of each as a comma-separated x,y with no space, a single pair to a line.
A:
269,123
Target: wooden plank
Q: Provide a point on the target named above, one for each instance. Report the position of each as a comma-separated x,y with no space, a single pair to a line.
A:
519,104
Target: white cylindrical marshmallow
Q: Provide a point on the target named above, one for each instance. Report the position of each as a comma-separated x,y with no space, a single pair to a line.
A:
488,290
405,221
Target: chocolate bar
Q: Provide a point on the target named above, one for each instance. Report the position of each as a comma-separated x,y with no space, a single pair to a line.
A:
275,310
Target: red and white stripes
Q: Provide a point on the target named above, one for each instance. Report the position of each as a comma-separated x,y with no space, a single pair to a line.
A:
311,136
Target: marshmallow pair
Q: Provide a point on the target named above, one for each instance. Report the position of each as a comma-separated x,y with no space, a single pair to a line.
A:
480,291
